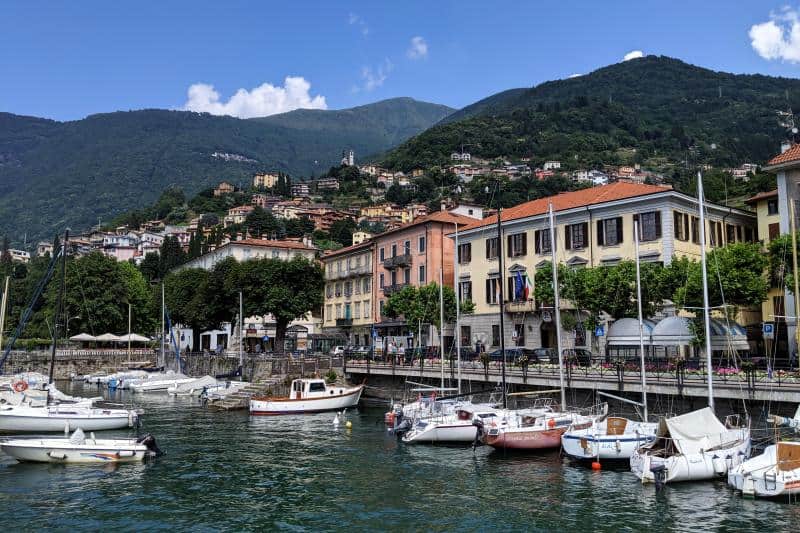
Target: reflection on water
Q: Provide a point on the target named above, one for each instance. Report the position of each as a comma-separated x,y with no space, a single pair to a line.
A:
233,471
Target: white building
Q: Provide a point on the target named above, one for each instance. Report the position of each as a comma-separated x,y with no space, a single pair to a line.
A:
253,249
20,255
551,165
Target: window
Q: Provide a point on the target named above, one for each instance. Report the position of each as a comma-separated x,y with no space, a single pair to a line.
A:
466,335
357,287
576,236
393,275
407,276
366,284
774,231
465,253
382,254
491,248
772,206
347,313
695,230
465,291
492,291
380,306
348,288
542,238
649,225
366,308
730,233
275,254
422,273
495,335
329,290
680,222
394,250
338,310
421,244
407,247
338,289
715,230
511,293
779,309
357,310
749,234
316,386
517,245
609,231
329,312
519,334
381,281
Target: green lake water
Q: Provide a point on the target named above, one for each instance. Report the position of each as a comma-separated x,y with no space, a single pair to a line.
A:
230,471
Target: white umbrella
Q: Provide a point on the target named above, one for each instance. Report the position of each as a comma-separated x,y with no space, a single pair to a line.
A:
134,338
83,337
107,337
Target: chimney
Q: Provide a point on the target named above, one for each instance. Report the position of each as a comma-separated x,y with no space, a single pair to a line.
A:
785,145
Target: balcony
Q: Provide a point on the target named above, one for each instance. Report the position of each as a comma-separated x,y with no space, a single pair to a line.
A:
396,287
344,322
349,272
397,261
520,306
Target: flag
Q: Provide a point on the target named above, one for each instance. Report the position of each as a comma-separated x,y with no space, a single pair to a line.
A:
528,289
519,286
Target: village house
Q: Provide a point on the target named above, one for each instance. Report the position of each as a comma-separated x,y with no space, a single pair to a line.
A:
237,215
266,180
300,190
551,165
348,295
223,189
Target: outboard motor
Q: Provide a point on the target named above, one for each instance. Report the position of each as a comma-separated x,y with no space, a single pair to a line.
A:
402,427
478,433
150,442
659,476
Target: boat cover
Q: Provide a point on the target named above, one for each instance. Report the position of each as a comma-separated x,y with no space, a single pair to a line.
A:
696,431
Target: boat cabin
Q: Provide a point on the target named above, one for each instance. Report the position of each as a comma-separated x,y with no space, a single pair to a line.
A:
313,388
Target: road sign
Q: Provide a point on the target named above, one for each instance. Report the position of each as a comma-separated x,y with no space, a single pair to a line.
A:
599,331
768,330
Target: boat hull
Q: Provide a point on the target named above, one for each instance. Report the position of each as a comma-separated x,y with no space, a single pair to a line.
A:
594,443
64,452
59,419
285,406
533,439
760,476
432,432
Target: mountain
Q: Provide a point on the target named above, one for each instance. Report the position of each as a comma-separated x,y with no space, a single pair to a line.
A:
649,111
57,174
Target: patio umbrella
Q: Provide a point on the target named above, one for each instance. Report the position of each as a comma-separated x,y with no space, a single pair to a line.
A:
107,337
134,337
83,337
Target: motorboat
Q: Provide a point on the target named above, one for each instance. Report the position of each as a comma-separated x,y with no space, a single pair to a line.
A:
611,438
457,426
308,396
79,449
195,387
776,472
222,390
121,380
29,418
692,447
160,383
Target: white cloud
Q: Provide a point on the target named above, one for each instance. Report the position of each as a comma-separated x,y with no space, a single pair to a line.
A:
261,101
356,20
778,38
633,54
371,78
418,48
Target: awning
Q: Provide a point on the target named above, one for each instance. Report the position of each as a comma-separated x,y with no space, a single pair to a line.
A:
83,337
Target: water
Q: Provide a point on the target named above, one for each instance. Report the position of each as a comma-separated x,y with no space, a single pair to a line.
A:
230,471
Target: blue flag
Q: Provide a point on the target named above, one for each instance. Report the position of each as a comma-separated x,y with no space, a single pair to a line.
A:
519,286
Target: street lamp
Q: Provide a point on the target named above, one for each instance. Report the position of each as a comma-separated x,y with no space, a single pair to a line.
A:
66,328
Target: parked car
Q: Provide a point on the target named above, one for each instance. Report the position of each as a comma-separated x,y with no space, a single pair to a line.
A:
512,355
544,355
577,356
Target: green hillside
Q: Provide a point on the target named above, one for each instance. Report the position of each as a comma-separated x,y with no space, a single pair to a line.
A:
57,174
649,111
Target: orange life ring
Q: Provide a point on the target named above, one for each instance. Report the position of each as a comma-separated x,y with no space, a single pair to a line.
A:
551,423
20,386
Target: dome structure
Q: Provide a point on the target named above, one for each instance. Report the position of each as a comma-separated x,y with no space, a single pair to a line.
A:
673,331
625,332
726,335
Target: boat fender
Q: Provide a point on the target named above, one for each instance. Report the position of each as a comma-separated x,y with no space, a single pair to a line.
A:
57,455
125,453
551,423
719,464
20,386
618,445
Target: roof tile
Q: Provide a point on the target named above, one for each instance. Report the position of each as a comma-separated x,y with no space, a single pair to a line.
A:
792,154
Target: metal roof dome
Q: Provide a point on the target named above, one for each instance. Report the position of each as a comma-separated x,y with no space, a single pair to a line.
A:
625,332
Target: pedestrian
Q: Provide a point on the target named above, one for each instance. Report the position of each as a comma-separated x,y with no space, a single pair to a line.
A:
401,355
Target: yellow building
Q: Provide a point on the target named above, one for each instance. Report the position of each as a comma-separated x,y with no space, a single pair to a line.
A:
594,227
348,292
266,180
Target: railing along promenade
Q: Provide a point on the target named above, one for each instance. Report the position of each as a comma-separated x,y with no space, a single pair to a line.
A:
662,378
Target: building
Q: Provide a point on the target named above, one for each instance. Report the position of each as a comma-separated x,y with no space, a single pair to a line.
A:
551,165
773,309
348,158
264,201
594,227
254,249
300,190
787,167
361,236
468,210
349,292
237,215
463,156
43,248
20,256
327,184
223,189
266,180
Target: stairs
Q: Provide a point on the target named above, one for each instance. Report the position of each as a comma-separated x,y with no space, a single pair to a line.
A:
241,398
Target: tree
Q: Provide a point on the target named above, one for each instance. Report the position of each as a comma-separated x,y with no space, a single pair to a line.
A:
342,231
150,267
171,255
781,261
185,295
262,223
286,289
5,252
297,227
144,310
195,246
421,304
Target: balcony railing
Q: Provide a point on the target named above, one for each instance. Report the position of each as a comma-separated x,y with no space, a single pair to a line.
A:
344,322
349,272
395,287
403,260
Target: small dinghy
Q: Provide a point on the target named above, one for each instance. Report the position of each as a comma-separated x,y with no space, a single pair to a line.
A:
79,449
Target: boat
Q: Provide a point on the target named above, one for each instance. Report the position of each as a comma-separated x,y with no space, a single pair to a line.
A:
196,387
160,382
79,449
308,396
615,438
30,418
695,446
456,426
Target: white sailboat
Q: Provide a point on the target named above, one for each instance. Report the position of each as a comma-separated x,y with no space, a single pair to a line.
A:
308,396
695,446
615,437
79,449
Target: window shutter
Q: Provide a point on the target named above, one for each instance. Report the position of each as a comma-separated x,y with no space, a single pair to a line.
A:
537,241
568,237
524,244
601,241
488,301
619,229
487,248
508,246
658,224
586,234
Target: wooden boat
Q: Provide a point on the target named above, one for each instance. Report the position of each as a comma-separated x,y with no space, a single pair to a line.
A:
308,396
79,449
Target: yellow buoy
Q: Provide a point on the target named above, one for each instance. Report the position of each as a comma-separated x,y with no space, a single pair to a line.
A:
349,425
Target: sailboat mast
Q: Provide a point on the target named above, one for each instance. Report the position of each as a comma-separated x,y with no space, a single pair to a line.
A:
3,311
441,323
556,305
457,331
59,300
501,273
641,320
792,215
241,332
706,317
163,327
129,332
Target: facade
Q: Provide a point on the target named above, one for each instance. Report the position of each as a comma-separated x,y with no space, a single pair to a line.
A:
253,249
300,190
349,293
20,256
551,165
266,180
223,188
237,215
593,227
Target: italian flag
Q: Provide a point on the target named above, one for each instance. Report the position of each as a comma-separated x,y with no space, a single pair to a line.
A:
527,290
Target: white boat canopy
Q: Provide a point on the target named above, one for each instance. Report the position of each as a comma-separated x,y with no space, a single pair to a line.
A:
107,337
83,337
625,332
696,431
134,337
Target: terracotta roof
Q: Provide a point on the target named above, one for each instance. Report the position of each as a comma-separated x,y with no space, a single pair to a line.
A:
294,245
444,217
792,154
619,190
761,196
346,249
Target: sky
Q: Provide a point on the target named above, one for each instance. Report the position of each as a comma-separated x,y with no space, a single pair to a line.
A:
67,60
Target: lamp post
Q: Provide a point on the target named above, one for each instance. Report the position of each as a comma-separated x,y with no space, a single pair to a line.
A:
66,328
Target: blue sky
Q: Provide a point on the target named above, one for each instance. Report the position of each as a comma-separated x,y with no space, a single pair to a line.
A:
65,60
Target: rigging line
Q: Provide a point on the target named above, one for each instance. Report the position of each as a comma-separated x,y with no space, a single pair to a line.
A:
85,300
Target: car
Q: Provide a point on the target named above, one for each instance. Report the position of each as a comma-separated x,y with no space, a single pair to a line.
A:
512,355
544,355
577,356
337,350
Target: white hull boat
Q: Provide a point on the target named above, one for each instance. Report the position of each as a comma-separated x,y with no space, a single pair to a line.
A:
308,396
194,387
454,427
691,447
25,418
160,384
80,450
773,474
613,438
